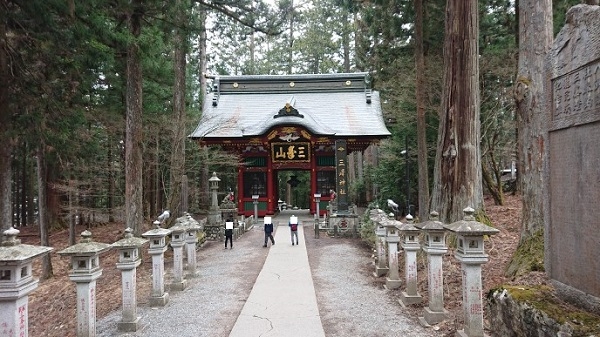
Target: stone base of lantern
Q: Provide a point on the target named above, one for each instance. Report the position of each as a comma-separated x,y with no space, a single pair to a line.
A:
392,284
406,299
432,317
128,326
462,333
178,286
159,301
379,272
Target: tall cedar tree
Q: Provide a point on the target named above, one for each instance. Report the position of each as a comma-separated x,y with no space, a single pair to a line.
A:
5,139
421,120
457,174
179,109
535,40
133,124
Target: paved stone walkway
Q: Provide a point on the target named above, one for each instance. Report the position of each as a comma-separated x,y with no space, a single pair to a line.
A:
283,301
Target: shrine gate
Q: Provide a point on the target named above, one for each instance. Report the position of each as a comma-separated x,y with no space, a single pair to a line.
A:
290,122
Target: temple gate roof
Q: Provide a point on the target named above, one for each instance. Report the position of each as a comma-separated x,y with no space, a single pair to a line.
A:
334,105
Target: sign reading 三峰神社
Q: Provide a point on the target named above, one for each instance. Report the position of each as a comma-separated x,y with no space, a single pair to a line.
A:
288,152
341,163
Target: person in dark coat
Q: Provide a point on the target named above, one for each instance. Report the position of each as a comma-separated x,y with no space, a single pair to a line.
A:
229,232
268,231
293,223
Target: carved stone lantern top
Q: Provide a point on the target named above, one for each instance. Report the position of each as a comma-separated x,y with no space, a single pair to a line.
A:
468,226
85,247
129,241
13,251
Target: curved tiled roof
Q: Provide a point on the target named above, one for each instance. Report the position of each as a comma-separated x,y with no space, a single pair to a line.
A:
341,105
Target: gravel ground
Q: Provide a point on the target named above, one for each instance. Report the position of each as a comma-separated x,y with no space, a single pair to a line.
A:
211,302
351,301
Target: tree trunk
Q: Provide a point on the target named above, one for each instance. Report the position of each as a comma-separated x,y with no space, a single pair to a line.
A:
24,185
346,36
422,157
457,174
178,143
111,182
535,40
133,127
291,40
42,182
204,176
72,211
5,138
202,54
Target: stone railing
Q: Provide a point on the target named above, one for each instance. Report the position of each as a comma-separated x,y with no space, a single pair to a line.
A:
392,235
217,232
16,270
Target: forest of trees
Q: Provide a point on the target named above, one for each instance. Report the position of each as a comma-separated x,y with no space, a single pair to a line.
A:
97,97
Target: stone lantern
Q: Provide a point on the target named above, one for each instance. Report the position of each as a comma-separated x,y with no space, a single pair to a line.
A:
214,215
381,267
435,248
129,260
192,227
85,263
178,235
392,238
158,246
214,187
410,244
16,282
470,253
317,217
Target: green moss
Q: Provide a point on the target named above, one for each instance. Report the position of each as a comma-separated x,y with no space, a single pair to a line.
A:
367,232
528,257
481,216
542,298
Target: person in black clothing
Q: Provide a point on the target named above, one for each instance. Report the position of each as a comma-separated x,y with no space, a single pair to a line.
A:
268,231
229,232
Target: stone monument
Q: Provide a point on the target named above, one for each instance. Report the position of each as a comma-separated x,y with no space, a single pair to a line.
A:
572,176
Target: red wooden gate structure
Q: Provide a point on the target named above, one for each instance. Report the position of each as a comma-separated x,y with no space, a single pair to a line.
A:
290,122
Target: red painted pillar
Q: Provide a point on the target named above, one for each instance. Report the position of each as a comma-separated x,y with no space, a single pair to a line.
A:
313,181
240,194
271,202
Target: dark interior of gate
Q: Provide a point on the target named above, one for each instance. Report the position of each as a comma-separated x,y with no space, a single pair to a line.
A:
284,129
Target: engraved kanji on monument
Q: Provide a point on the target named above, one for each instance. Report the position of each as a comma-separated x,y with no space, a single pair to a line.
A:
435,247
571,173
129,259
85,264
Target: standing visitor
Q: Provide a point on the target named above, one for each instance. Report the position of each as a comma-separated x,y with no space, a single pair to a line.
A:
268,231
229,232
294,228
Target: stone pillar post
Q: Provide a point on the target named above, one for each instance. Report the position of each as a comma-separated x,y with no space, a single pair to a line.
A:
470,253
129,260
393,279
435,248
191,239
16,282
410,244
86,270
158,246
317,197
177,242
381,267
